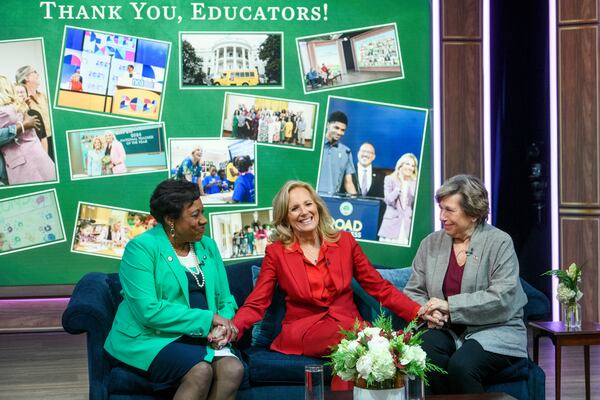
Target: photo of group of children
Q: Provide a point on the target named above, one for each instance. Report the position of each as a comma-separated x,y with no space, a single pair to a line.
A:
116,74
131,149
268,120
26,131
241,234
104,231
224,169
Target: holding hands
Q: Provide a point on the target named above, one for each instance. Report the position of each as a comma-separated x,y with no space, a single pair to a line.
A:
223,332
435,312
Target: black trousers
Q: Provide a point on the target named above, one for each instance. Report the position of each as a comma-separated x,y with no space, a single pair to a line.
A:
468,368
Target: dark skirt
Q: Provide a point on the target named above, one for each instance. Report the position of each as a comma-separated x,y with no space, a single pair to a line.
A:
175,360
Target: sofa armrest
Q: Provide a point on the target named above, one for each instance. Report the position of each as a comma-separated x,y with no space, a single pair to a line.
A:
91,309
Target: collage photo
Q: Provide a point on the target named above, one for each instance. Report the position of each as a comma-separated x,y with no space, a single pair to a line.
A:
122,75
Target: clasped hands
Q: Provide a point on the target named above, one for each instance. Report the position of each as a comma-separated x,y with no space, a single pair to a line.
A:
435,313
222,332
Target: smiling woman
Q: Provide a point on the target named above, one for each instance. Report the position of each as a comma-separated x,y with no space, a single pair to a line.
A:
469,271
168,327
314,265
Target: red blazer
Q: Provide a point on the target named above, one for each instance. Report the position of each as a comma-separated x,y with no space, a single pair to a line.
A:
345,260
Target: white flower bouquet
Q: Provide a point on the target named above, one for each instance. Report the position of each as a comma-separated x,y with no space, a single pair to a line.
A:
379,357
568,284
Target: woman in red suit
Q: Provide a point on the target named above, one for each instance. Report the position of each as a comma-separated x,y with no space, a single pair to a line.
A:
314,265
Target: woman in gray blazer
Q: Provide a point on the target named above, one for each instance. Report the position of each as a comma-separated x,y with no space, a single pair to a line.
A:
470,273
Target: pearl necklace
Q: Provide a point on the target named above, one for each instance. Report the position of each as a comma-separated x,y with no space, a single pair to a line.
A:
196,270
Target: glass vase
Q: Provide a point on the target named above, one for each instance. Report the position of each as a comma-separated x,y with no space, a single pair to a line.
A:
571,315
414,388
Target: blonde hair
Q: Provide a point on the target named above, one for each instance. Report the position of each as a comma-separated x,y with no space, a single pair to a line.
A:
8,96
97,138
406,157
282,230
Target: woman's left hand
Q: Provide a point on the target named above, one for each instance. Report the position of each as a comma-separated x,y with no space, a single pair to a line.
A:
437,304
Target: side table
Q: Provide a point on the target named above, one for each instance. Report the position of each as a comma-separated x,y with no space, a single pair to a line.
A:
589,334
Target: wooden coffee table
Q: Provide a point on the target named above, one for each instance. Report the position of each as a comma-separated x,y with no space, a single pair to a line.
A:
480,396
589,334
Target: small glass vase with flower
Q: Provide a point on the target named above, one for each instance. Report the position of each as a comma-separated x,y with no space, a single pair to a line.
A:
380,360
569,294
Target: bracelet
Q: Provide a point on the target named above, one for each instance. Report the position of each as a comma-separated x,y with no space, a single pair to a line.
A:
22,126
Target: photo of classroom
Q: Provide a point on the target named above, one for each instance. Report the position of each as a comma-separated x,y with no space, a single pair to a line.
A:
26,141
112,73
241,234
121,150
269,120
104,231
360,56
224,169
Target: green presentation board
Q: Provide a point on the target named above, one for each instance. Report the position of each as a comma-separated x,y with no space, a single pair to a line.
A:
195,66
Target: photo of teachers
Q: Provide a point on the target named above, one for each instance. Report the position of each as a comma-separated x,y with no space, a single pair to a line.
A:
104,231
119,150
241,234
112,73
369,168
270,121
223,169
26,141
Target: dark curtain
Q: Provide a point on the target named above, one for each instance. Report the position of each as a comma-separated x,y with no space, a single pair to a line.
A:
520,132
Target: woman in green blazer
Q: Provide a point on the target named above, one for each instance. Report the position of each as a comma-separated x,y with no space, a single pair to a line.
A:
176,308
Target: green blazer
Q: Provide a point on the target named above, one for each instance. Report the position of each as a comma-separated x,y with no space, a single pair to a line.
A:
156,308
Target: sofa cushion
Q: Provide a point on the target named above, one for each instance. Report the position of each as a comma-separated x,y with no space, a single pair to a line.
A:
538,305
271,367
369,308
398,276
266,330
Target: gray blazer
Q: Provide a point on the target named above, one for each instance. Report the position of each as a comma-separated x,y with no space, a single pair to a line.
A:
491,299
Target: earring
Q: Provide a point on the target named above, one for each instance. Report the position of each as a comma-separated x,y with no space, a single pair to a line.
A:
172,230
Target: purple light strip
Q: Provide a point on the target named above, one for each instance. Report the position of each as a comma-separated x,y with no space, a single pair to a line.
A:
487,120
553,149
40,300
437,107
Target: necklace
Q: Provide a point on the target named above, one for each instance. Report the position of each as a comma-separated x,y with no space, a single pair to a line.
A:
309,253
195,270
464,250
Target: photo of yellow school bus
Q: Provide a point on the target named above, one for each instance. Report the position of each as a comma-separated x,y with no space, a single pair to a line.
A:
238,77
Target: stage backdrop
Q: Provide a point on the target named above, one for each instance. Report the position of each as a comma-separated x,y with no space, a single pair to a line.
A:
119,63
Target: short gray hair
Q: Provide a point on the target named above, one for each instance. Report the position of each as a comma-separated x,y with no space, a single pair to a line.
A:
474,195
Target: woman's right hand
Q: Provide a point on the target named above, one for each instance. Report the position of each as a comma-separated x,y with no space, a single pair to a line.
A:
31,122
230,330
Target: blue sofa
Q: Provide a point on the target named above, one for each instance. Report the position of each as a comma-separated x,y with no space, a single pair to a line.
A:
269,375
